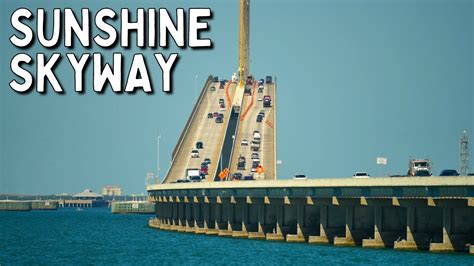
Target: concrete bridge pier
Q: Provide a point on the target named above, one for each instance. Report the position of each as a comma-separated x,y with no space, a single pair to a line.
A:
189,216
359,222
347,240
260,233
228,217
277,233
331,224
457,228
301,232
167,219
198,216
175,217
243,210
389,223
181,217
212,218
423,226
377,240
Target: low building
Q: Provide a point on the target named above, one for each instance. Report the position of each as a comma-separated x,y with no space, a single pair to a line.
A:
86,199
112,191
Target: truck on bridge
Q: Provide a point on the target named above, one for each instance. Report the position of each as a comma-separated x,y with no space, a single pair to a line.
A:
419,167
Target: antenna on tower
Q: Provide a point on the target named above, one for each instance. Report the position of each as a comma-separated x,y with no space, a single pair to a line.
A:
464,154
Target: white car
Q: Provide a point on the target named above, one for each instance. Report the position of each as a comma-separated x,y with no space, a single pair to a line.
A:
361,175
194,153
259,99
244,142
300,176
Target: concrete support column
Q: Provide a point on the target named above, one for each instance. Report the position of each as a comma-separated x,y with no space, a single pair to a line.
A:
261,218
323,224
189,218
447,244
225,228
277,234
206,216
175,218
299,237
347,240
243,233
408,243
230,216
212,229
218,216
181,217
245,216
198,219
260,234
377,241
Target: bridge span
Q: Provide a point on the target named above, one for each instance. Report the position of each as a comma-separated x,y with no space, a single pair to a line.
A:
413,213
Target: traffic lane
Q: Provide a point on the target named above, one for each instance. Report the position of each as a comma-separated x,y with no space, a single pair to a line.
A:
215,138
237,144
269,136
248,126
205,126
180,164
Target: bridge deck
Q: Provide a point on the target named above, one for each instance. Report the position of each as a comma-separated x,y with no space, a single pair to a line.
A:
376,182
202,129
250,109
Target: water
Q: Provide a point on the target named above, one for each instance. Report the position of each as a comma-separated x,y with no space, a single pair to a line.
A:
95,236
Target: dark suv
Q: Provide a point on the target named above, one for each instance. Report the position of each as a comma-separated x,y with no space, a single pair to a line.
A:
199,145
449,172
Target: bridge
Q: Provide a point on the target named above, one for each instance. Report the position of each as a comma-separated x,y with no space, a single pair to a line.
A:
414,213
224,142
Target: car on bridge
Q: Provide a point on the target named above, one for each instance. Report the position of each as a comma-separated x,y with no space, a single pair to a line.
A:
248,177
268,79
236,176
219,120
241,163
207,161
213,88
195,178
259,119
199,145
210,115
244,142
361,175
422,173
194,153
299,176
449,172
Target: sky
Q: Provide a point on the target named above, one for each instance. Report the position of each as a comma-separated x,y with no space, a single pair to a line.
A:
356,79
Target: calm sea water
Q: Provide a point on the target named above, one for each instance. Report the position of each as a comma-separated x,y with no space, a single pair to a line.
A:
95,236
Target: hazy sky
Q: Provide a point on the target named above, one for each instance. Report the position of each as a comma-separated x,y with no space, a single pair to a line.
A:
356,80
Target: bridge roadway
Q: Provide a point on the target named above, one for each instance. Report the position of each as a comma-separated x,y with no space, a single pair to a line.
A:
407,213
202,128
252,105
